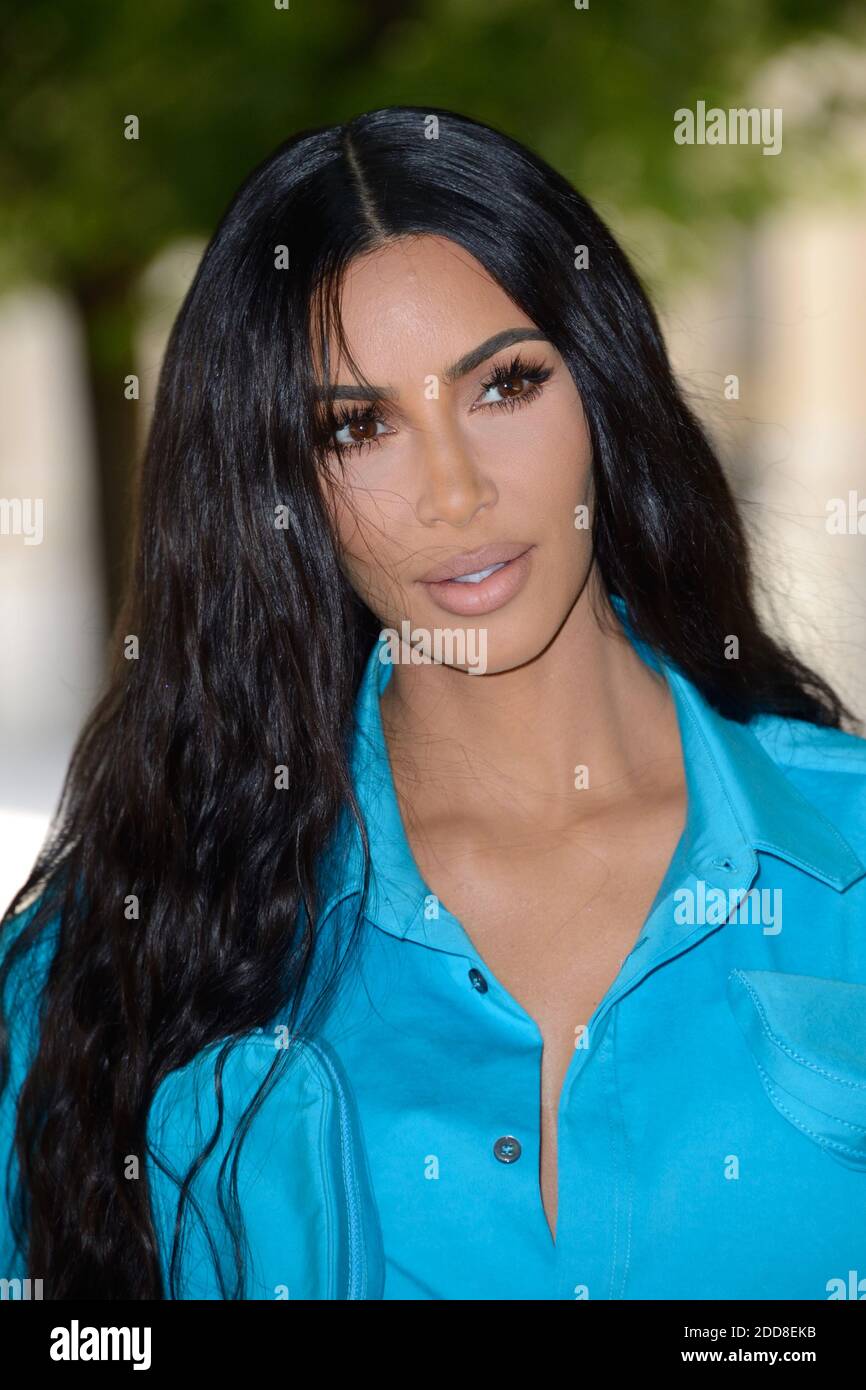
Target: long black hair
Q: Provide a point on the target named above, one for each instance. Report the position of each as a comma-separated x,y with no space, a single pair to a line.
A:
240,643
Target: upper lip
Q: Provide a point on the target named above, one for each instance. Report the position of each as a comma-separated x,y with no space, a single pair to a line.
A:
471,561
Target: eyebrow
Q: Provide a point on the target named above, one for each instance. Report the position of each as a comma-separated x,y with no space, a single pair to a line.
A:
467,363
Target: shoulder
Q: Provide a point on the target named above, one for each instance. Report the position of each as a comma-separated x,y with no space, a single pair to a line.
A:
832,759
285,1120
796,743
826,765
15,928
225,1076
27,948
25,957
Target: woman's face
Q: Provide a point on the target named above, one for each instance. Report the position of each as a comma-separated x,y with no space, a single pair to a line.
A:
487,453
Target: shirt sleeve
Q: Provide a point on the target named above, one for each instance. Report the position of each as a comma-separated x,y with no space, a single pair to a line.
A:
21,1014
308,1214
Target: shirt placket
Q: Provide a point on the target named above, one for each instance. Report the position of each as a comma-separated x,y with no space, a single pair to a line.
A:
595,1226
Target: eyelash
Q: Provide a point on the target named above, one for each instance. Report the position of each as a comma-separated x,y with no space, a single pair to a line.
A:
532,371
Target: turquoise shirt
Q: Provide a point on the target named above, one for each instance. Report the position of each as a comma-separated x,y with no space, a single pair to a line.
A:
712,1123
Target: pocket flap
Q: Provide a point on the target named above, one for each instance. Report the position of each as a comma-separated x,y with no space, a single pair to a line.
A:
807,1036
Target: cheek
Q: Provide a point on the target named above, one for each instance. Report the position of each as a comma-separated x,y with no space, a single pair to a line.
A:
345,521
368,551
562,493
543,478
549,437
566,471
347,528
346,509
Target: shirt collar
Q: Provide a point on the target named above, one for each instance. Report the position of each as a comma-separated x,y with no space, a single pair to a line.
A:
739,801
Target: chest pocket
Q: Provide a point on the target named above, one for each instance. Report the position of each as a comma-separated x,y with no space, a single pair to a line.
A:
807,1037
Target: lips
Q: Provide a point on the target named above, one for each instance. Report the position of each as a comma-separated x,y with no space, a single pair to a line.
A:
485,592
479,577
475,561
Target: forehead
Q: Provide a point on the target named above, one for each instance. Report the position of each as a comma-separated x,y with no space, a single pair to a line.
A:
415,304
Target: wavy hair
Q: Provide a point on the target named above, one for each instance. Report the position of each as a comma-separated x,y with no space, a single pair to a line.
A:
251,642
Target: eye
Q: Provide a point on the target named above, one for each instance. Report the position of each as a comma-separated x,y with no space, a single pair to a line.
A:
518,383
354,429
360,429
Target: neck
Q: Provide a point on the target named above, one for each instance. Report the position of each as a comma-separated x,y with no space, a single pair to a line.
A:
508,743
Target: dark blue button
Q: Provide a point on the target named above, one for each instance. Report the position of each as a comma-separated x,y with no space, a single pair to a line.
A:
478,980
507,1149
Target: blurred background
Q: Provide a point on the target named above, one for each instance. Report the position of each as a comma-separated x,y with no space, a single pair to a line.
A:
756,262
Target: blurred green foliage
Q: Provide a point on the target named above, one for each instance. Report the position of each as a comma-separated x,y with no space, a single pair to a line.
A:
216,84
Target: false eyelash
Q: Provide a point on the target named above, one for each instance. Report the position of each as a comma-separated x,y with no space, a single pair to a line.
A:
336,420
532,371
356,415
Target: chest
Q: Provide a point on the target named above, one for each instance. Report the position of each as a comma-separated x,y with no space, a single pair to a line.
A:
553,925
677,1173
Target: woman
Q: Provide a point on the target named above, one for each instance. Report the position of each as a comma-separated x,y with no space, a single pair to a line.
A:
458,892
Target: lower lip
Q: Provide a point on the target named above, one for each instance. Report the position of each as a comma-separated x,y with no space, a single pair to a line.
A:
491,593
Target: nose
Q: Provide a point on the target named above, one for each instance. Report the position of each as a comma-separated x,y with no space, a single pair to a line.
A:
454,485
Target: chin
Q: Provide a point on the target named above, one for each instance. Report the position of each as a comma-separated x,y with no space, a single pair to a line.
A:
493,643
497,647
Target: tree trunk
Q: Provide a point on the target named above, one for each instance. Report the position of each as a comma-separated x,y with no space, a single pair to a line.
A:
106,306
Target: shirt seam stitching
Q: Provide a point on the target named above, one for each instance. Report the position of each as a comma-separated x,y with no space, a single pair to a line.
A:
786,1048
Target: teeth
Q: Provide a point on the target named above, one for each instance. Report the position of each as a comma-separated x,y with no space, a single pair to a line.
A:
478,576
